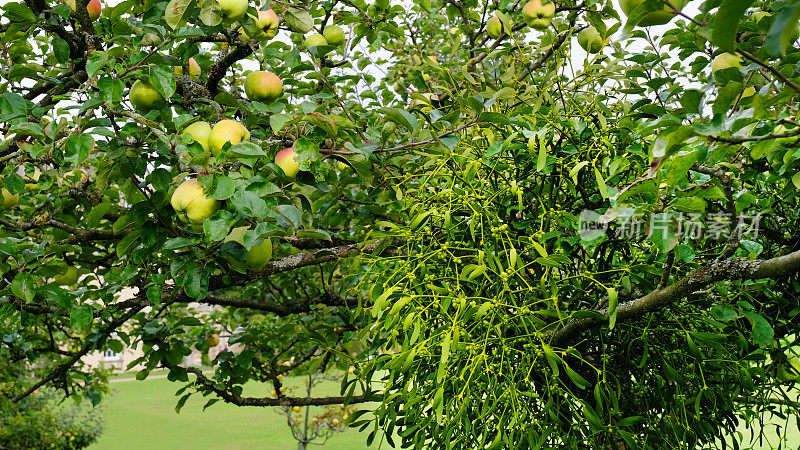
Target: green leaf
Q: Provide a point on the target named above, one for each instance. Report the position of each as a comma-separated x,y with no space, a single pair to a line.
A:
761,332
77,148
442,370
163,79
783,28
724,313
292,215
196,281
175,11
96,214
298,19
726,23
80,317
24,286
216,227
601,183
401,117
493,117
277,121
613,297
221,188
249,204
210,12
245,152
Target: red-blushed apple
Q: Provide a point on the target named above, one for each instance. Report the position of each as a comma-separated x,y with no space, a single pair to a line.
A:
286,159
263,86
94,8
9,200
267,23
538,14
144,97
213,340
226,131
192,205
334,35
257,257
200,132
194,70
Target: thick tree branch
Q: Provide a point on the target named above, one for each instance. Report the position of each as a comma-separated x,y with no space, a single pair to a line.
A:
218,70
730,269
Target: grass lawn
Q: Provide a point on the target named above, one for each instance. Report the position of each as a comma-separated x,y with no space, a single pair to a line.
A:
141,415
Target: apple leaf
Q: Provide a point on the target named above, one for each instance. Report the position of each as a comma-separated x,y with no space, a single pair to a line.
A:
278,121
162,78
783,28
726,23
291,215
401,117
298,19
81,316
210,13
249,204
77,148
762,332
175,11
216,226
196,281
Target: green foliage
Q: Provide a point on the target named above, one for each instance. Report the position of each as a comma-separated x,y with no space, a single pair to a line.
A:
512,245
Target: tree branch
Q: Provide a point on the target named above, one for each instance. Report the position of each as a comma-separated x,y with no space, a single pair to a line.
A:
730,269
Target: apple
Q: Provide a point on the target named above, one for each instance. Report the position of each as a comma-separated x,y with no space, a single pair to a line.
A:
791,373
144,96
213,340
537,14
286,159
315,40
192,205
494,27
267,24
654,18
226,131
296,409
199,131
68,277
591,41
258,256
262,85
725,61
232,10
194,70
9,200
334,35
93,8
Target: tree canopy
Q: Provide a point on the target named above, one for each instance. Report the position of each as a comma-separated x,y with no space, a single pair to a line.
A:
512,242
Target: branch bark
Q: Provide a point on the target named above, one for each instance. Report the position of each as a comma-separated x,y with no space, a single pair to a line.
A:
730,269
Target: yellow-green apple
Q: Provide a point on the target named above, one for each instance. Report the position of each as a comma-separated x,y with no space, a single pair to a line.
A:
316,39
144,96
94,7
199,131
226,131
537,14
725,61
659,17
262,85
68,277
790,373
334,35
591,41
194,70
286,159
232,10
213,340
267,25
494,26
258,256
9,200
192,205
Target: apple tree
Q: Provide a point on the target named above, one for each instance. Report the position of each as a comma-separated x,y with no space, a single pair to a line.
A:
522,224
